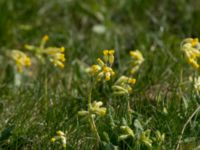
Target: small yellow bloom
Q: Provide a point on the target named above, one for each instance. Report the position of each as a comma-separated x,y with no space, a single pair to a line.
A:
100,62
21,60
132,81
109,56
123,85
53,139
138,59
191,49
108,52
108,72
94,69
54,54
127,132
96,108
103,69
45,38
57,56
62,49
137,55
60,136
60,133
195,41
194,63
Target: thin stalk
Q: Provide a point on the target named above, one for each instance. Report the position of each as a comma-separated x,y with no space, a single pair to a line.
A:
185,125
91,118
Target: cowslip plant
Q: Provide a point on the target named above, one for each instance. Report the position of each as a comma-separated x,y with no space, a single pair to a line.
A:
102,70
21,60
60,136
123,85
94,109
191,49
21,64
54,54
141,137
137,60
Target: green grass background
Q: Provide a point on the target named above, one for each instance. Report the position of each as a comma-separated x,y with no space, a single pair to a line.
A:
49,101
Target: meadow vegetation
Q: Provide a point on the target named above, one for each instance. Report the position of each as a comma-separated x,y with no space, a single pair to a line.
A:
107,75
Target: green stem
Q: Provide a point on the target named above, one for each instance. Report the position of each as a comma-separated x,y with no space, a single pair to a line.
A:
91,119
46,90
185,125
94,128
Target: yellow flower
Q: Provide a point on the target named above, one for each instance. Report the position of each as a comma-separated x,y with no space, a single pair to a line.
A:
123,85
145,138
21,60
101,70
55,55
109,56
132,81
191,48
138,59
45,38
94,69
96,108
128,132
60,133
137,56
53,139
100,62
60,136
108,72
195,41
193,62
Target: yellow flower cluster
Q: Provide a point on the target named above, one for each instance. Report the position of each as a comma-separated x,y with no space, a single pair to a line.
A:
103,70
138,59
191,48
123,85
128,132
21,60
94,109
160,137
145,138
142,137
60,136
55,55
109,56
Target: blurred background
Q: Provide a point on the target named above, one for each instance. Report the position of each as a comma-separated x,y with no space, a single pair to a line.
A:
85,28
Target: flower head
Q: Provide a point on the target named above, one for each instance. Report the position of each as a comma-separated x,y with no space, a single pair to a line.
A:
95,108
191,48
54,54
45,38
137,60
101,70
60,136
123,85
109,56
21,60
